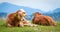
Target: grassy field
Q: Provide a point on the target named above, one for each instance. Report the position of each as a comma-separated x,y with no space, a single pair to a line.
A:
39,28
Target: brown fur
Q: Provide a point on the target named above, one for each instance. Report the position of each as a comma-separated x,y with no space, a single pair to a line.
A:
43,20
14,19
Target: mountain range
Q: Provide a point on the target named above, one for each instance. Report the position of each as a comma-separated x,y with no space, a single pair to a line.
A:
9,8
6,8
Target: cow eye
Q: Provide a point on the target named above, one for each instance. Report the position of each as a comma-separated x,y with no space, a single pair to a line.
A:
23,12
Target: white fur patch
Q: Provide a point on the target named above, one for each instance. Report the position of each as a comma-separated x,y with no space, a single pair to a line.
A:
22,10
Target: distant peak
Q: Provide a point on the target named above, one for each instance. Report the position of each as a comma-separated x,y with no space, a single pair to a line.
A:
58,8
5,3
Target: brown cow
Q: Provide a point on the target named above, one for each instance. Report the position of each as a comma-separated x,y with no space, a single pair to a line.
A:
14,19
43,20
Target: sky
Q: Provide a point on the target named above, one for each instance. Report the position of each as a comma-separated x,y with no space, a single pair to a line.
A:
45,5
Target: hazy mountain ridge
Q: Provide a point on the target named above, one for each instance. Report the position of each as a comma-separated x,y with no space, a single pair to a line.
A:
3,14
55,14
6,8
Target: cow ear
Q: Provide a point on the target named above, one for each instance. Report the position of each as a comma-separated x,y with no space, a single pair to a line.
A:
40,14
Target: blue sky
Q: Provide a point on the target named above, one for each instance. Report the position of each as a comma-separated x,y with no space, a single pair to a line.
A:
45,5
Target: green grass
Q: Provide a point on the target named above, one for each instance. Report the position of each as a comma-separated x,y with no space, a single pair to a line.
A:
39,28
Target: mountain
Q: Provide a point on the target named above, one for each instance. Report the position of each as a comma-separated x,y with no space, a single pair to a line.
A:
6,8
9,8
3,14
55,14
56,10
